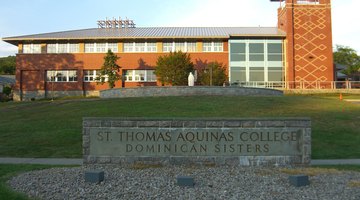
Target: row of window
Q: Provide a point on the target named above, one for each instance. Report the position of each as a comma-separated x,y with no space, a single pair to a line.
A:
256,52
127,47
92,75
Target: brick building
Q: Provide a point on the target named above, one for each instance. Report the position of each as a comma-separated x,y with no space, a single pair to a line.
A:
295,54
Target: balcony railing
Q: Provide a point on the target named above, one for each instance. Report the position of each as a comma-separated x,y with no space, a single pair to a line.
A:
307,1
304,85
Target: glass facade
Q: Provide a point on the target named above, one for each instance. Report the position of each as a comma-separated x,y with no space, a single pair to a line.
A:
253,60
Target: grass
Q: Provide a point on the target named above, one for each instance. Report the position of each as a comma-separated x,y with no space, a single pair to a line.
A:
54,128
9,170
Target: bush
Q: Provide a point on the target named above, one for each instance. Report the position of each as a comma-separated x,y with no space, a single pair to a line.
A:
213,74
174,68
7,90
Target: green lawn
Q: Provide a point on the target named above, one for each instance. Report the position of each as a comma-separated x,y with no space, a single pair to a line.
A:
53,129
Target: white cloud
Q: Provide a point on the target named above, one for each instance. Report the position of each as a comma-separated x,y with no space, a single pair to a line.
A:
7,49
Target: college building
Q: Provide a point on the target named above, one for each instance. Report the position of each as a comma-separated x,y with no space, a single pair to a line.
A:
297,53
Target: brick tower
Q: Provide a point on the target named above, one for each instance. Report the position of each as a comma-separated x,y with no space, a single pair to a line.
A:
308,45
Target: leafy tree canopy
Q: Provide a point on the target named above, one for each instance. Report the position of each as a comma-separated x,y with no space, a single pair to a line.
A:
348,57
7,65
108,72
214,73
174,68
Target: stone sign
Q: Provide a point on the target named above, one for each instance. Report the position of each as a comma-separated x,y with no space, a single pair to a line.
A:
233,141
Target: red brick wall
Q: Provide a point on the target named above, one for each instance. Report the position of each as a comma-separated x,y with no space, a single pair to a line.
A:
309,42
39,63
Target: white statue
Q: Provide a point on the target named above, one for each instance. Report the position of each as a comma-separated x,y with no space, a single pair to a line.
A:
191,79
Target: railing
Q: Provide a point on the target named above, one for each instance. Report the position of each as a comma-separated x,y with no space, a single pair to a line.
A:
307,1
304,85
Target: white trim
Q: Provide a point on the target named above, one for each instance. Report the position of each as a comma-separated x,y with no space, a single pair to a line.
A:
31,48
132,47
54,74
137,78
115,49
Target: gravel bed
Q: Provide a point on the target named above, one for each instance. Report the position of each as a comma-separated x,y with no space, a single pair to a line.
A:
160,183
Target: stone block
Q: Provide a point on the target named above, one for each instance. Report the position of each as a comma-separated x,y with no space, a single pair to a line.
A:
94,176
185,181
299,180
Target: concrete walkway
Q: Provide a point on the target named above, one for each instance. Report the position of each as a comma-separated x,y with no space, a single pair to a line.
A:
43,161
74,161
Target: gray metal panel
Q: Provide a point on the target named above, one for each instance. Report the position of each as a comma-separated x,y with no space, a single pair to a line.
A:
154,32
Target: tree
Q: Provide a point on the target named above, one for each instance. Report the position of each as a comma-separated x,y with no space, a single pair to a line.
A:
214,73
348,57
174,68
8,65
108,72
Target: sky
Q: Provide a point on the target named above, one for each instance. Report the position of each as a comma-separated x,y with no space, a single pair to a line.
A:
24,17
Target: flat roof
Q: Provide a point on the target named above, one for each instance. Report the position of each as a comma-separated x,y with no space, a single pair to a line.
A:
152,33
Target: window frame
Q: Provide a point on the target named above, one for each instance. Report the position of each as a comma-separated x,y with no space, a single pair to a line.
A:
68,48
134,75
213,46
64,77
31,48
90,47
135,47
179,46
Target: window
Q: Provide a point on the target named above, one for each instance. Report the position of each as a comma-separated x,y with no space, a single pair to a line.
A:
274,52
89,47
256,60
140,47
238,52
129,47
89,75
238,74
256,74
74,48
62,48
191,47
213,47
32,48
179,46
275,74
61,75
256,52
151,47
100,47
140,75
51,48
167,46
92,75
113,47
218,46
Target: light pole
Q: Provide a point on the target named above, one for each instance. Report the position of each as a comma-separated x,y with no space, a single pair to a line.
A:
211,74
